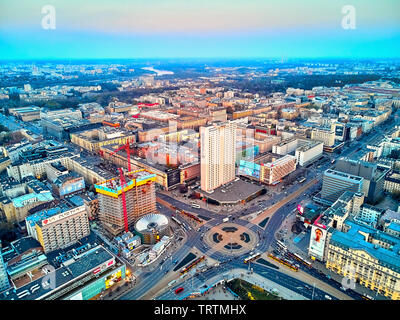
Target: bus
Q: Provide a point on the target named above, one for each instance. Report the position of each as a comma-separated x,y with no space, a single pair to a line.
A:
284,262
281,244
302,180
193,264
177,221
252,257
300,259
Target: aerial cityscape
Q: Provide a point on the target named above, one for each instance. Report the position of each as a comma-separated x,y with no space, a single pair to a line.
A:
146,159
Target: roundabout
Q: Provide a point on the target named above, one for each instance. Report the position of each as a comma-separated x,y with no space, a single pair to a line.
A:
231,239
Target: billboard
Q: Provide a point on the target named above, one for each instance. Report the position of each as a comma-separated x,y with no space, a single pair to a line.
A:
72,186
317,242
340,132
300,208
251,169
113,278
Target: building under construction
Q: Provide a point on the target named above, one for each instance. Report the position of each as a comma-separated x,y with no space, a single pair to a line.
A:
138,189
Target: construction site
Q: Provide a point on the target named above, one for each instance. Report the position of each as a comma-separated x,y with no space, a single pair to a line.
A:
124,199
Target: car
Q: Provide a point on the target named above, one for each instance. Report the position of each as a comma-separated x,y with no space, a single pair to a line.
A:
179,290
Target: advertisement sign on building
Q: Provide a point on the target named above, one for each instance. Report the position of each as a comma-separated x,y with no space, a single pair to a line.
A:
317,242
72,186
251,169
77,296
62,215
113,278
300,209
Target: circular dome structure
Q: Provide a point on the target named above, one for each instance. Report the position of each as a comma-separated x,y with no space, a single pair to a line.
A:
152,227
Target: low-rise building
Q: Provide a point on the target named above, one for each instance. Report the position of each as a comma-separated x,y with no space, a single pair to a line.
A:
92,140
325,135
367,256
274,172
309,152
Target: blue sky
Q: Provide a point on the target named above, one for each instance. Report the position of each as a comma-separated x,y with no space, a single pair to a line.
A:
188,28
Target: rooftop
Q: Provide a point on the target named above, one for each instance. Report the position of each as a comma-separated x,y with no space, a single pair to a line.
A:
354,239
39,216
394,226
133,178
69,271
233,192
339,174
21,201
309,146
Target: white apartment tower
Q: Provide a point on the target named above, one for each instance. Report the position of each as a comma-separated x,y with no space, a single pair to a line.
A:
218,154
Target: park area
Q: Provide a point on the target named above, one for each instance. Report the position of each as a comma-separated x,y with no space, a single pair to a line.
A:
248,291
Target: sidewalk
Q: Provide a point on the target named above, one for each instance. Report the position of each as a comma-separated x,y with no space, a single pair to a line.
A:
337,277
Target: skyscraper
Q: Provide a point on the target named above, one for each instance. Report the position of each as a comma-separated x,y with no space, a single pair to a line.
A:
217,154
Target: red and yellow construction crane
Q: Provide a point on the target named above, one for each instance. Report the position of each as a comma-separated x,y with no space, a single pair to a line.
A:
127,148
123,185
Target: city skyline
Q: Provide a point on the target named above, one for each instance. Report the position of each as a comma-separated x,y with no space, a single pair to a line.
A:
172,150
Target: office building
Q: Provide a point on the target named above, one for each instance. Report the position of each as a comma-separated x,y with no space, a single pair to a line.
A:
374,176
58,227
325,135
335,183
218,155
274,172
309,152
92,140
392,183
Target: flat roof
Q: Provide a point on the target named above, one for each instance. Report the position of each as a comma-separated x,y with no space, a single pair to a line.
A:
353,239
47,213
234,192
68,272
309,146
44,196
137,177
340,174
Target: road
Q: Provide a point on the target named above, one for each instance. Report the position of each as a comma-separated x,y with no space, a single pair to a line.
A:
13,124
212,276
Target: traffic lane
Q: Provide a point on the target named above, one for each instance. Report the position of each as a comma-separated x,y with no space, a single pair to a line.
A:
194,284
184,206
148,280
179,255
290,282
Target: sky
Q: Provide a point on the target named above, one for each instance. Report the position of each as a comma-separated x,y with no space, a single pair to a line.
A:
99,29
